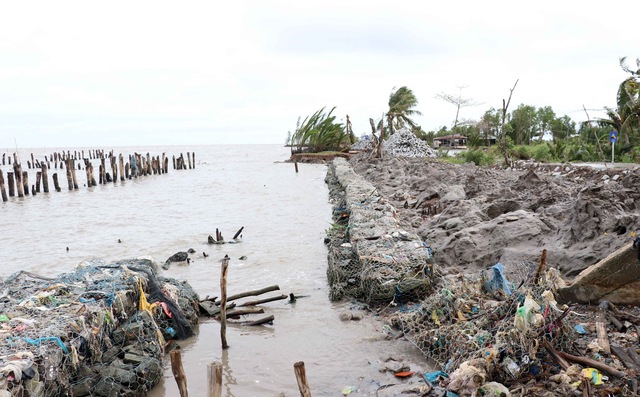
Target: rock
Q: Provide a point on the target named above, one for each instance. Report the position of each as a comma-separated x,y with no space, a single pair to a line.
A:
345,316
177,257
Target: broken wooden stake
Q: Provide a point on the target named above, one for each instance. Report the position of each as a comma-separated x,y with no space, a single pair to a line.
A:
178,372
214,377
223,301
301,377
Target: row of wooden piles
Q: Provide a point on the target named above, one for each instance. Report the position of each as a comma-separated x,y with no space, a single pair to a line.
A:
137,165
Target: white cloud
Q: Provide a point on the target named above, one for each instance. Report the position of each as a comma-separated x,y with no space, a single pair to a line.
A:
80,73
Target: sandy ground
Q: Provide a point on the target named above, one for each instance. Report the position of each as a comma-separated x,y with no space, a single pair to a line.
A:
473,217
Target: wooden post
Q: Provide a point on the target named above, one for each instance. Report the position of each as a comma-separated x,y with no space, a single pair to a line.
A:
55,181
73,173
2,189
25,182
121,160
214,378
174,162
10,181
301,377
103,171
166,165
17,173
193,158
45,178
38,177
295,163
32,161
223,302
178,372
126,171
189,159
114,168
87,171
69,177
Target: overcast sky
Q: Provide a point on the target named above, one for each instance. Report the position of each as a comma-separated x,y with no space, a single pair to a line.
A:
83,73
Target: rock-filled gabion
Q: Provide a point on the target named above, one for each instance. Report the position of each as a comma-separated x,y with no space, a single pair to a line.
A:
403,143
370,256
101,330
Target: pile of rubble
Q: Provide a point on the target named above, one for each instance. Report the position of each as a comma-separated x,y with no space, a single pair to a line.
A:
403,143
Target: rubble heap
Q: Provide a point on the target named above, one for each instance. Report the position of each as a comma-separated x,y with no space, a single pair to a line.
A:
403,143
98,331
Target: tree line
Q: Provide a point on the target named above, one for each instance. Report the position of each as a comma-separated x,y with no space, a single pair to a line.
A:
517,133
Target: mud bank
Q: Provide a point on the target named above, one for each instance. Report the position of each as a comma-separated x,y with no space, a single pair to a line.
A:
475,217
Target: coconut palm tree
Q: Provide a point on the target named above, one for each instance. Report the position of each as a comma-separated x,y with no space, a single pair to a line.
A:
625,119
401,108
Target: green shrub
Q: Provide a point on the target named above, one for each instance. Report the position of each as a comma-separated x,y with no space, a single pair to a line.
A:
478,157
541,153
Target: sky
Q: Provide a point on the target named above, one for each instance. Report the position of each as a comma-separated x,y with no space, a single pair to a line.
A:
94,74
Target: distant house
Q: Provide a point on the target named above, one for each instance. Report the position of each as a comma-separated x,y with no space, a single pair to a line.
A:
453,141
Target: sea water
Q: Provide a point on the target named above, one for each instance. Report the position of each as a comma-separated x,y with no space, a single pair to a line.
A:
284,214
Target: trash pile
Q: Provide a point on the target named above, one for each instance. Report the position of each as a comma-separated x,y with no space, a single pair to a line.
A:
370,256
490,336
402,143
101,330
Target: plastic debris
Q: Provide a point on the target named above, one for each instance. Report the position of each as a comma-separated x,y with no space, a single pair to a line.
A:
580,329
432,377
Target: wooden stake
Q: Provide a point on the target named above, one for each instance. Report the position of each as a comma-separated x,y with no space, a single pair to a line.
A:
74,178
235,236
541,266
25,182
121,161
214,377
193,157
223,302
295,163
178,372
38,177
301,377
103,171
69,177
2,189
12,193
189,159
55,181
17,173
45,178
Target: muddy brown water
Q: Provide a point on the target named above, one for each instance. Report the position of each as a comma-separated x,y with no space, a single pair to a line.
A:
285,215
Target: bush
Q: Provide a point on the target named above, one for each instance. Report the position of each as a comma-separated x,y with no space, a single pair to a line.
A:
478,157
541,153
